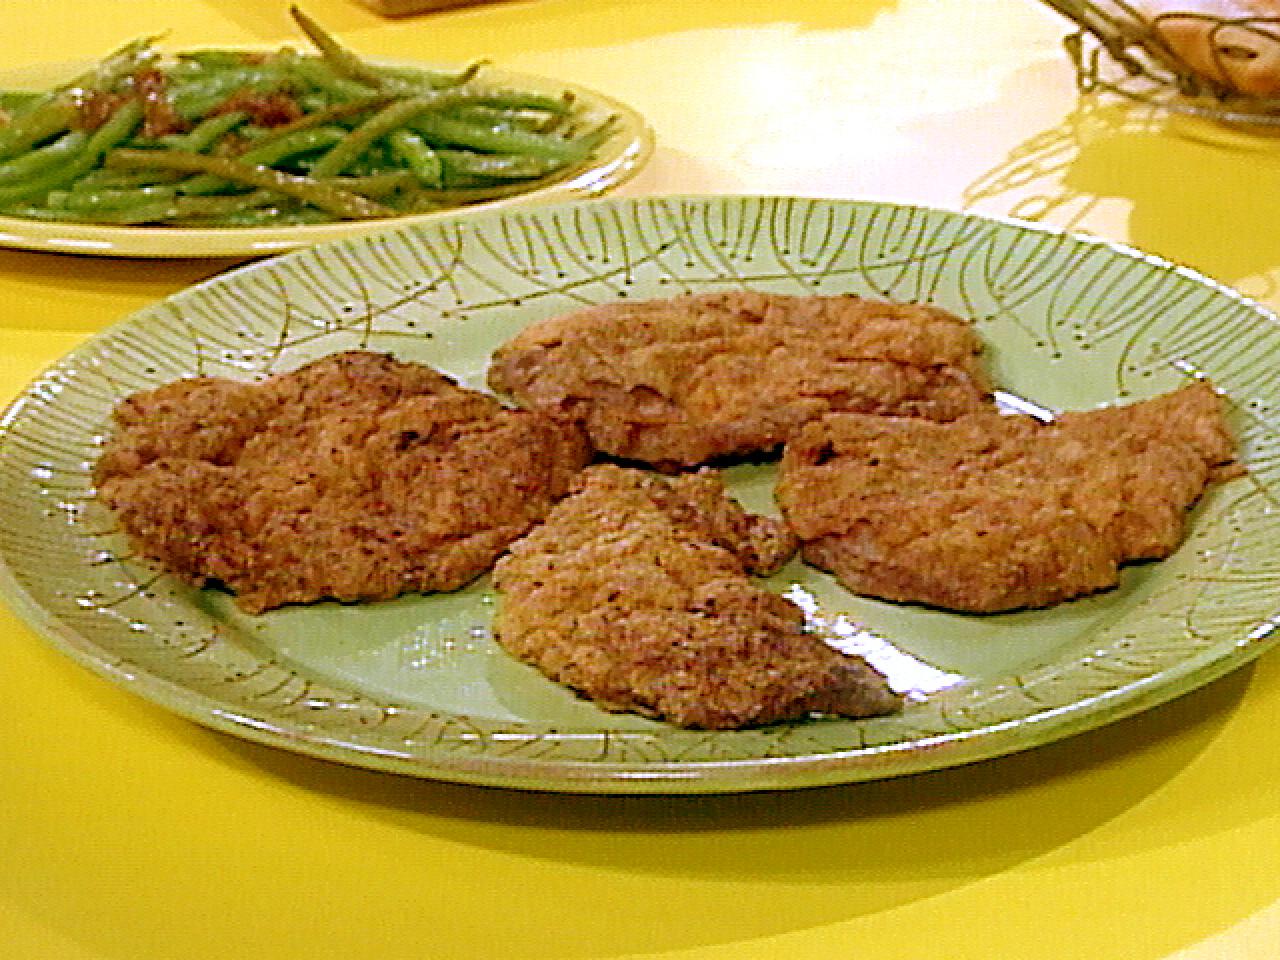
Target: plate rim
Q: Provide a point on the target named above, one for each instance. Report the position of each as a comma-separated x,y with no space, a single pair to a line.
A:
1002,739
956,748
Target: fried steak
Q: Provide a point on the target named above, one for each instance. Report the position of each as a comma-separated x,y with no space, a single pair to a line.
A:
683,381
635,592
993,512
357,477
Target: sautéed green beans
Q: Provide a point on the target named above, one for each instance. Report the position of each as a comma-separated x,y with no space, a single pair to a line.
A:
225,138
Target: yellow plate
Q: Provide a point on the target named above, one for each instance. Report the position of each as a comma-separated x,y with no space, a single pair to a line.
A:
617,160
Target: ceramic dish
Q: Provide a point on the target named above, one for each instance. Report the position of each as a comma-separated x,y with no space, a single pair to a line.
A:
417,685
617,160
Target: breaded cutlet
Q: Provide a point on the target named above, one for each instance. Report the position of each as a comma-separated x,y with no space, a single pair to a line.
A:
992,512
685,381
356,477
635,592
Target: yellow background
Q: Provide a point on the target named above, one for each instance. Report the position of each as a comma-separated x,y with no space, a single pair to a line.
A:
129,834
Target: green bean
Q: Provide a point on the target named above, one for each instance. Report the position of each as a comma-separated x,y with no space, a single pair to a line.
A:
438,129
100,179
273,217
538,121
371,163
32,162
253,133
154,212
409,81
319,75
48,118
311,100
340,203
376,185
157,209
414,153
386,120
329,114
56,111
114,67
275,150
271,152
103,139
16,101
110,199
223,206
343,61
492,166
462,196
524,100
202,60
195,96
209,131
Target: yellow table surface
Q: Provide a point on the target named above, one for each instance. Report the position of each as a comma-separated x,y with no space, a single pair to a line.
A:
129,834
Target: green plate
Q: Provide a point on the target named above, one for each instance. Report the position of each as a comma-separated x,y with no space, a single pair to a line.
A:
417,685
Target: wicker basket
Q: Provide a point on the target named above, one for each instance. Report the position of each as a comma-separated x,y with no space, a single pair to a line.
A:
1120,49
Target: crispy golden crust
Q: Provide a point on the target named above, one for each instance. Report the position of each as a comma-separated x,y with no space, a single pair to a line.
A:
634,592
996,513
684,381
357,477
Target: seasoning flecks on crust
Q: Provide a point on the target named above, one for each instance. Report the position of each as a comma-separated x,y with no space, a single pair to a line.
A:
683,381
635,592
357,477
992,512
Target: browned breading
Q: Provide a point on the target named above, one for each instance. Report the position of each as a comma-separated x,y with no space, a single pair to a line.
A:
356,477
994,512
683,381
635,593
